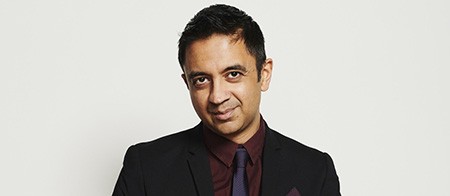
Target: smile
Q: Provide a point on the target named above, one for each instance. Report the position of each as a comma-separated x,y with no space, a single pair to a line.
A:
223,115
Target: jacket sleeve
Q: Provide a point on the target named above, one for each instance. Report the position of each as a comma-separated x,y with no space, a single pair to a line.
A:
130,181
330,185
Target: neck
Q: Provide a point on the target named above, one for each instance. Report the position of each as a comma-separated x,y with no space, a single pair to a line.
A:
242,136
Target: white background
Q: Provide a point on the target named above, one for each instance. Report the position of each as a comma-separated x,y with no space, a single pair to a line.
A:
365,81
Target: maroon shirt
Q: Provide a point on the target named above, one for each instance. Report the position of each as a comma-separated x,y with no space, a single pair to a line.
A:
221,154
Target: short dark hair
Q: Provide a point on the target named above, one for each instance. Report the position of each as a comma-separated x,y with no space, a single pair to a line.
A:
226,20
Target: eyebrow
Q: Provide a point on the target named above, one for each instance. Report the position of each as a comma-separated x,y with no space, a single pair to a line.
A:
195,74
229,68
236,67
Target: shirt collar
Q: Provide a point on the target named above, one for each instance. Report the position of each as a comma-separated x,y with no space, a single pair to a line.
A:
224,149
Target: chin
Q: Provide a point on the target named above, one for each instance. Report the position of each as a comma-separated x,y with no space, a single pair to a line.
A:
226,129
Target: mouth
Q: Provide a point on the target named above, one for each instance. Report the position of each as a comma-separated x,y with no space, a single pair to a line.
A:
223,115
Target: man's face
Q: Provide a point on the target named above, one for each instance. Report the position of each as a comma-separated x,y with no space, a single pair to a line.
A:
223,84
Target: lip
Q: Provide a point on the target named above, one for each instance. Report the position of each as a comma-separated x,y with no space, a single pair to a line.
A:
223,116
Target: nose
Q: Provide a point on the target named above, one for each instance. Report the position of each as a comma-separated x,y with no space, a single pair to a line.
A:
218,93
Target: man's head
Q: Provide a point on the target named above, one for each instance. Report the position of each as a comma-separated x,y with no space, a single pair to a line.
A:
222,71
225,20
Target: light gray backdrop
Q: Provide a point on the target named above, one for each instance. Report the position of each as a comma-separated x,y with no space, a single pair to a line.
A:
366,81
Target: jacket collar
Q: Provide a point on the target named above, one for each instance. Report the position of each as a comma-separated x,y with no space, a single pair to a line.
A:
275,173
199,164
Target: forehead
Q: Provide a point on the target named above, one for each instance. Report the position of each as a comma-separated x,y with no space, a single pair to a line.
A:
218,51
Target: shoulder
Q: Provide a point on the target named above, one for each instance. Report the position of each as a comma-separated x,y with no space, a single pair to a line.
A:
290,144
167,146
297,151
306,161
312,169
172,140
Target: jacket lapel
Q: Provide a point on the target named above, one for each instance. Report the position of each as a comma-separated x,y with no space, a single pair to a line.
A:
275,174
198,162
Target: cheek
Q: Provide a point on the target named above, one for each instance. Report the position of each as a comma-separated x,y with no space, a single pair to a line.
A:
248,94
199,100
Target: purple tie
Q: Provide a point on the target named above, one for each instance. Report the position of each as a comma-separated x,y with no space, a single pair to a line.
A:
240,186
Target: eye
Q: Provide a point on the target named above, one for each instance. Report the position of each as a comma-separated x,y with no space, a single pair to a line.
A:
199,81
234,74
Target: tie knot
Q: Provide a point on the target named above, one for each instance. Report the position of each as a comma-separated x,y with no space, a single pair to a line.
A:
241,157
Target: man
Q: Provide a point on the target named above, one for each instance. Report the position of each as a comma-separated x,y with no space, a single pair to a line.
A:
232,151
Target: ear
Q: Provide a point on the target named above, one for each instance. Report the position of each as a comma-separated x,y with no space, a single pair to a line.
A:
266,74
185,80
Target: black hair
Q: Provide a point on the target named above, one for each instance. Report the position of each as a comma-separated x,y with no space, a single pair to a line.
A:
226,20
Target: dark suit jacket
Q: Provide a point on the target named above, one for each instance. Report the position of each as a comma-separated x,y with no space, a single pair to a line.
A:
178,165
